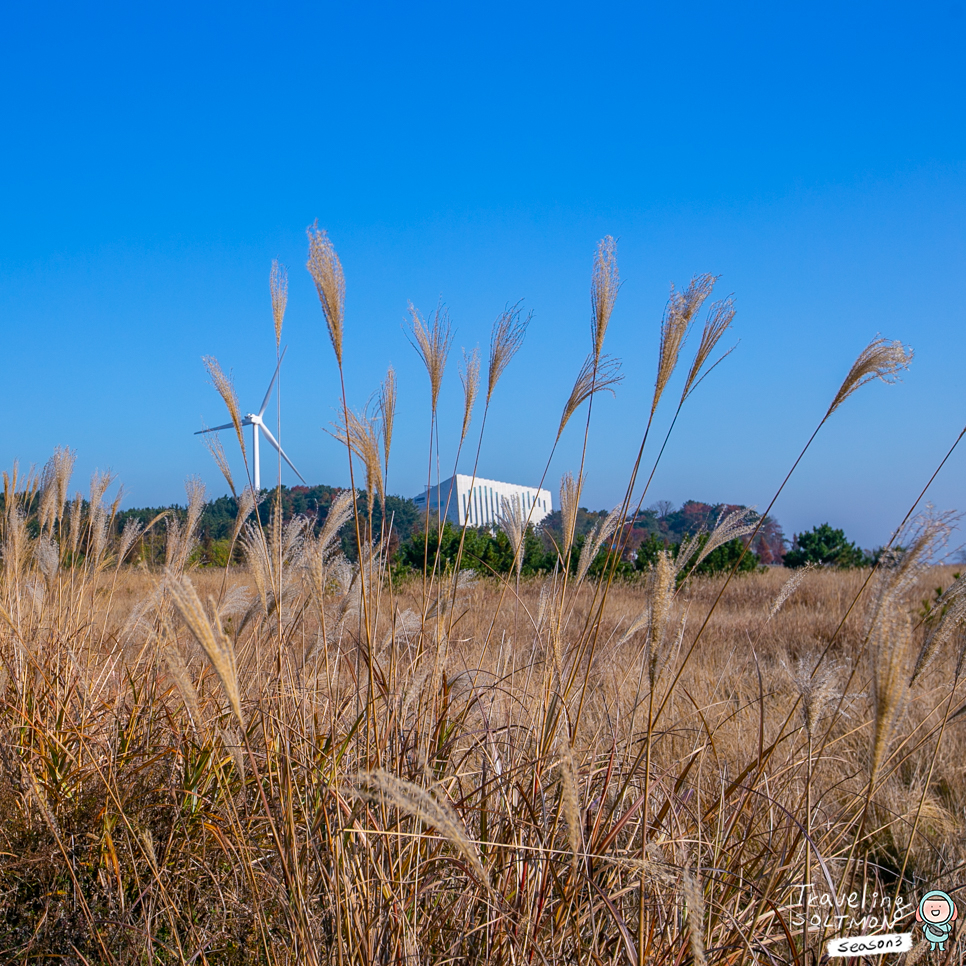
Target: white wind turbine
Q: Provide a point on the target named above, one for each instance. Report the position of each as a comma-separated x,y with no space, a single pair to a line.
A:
258,425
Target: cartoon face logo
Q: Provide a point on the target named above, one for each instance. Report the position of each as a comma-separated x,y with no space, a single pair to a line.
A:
937,913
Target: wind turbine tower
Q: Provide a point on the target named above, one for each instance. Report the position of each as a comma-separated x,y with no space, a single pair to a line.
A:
258,426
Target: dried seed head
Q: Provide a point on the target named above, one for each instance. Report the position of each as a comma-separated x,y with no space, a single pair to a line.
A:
728,527
600,532
512,521
681,309
210,636
326,271
278,283
569,501
570,798
890,640
132,530
433,810
244,504
880,359
470,378
226,390
604,286
213,442
590,380
506,338
54,481
788,588
815,684
387,413
362,439
719,320
693,896
179,673
432,341
952,609
660,596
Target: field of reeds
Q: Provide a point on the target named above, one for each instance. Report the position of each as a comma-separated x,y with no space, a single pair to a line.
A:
304,760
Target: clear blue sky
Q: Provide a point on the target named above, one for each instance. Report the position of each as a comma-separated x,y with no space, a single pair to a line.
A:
156,157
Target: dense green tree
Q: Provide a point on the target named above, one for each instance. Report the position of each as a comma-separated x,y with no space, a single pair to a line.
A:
826,546
488,553
721,560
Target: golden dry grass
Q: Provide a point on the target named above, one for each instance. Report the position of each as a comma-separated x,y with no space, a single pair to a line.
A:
463,810
306,761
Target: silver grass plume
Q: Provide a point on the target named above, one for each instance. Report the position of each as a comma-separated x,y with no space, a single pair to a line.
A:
815,685
132,530
569,501
320,550
952,608
660,595
326,271
99,518
210,636
432,340
693,896
278,285
226,390
181,676
431,810
787,589
880,359
727,527
54,482
506,338
891,639
16,542
470,378
590,381
678,318
512,521
718,322
598,535
47,555
213,443
570,798
605,283
244,504
361,434
387,414
182,536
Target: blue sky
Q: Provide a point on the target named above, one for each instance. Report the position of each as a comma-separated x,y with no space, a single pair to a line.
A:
155,158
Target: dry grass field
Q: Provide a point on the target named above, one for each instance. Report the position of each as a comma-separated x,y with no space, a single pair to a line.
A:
306,760
191,774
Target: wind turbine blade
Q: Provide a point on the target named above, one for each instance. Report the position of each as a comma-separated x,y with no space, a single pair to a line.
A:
214,429
281,452
271,385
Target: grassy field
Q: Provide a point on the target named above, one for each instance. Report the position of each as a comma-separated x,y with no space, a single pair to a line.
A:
190,774
302,760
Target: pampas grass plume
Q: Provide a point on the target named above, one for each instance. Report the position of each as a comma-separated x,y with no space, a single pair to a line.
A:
604,286
226,390
880,359
470,379
432,341
506,338
326,271
278,284
590,380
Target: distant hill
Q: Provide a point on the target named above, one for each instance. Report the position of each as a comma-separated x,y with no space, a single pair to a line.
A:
661,520
672,526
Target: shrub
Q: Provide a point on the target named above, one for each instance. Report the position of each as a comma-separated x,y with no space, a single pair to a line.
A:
826,547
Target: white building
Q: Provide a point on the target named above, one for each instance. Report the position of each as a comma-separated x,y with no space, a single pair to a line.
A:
480,504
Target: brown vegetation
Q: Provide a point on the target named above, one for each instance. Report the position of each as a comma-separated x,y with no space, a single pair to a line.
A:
301,761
